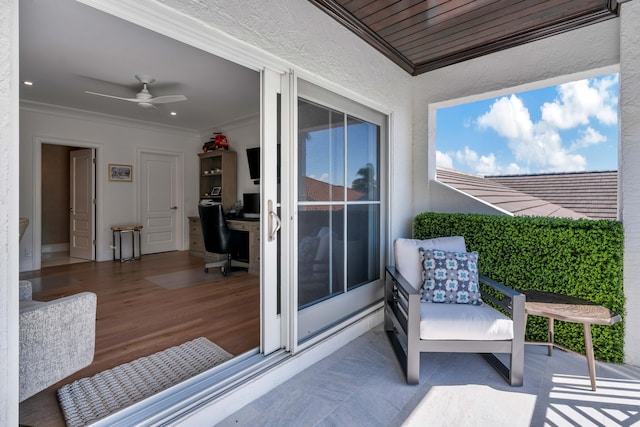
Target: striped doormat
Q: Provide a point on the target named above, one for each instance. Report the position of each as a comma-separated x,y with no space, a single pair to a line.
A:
89,399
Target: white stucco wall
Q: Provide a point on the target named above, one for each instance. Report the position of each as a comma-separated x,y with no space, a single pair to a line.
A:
630,172
8,212
577,54
446,199
117,141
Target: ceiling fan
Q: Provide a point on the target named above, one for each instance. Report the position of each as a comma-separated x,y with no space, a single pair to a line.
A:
144,98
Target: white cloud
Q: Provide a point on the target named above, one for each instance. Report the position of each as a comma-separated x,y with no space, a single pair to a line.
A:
485,165
509,117
579,101
588,137
537,145
443,160
324,177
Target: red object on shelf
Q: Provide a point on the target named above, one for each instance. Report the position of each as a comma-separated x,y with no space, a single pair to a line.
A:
217,142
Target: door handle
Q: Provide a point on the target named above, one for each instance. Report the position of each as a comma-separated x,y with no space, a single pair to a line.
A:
273,217
174,208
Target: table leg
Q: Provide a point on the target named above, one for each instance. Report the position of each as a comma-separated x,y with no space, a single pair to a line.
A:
550,337
588,347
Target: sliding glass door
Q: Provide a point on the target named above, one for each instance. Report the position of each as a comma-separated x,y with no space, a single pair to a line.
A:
339,227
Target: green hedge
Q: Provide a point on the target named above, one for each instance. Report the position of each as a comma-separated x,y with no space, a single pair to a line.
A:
581,258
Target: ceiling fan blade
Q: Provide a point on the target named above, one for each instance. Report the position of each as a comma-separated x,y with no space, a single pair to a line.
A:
166,99
111,96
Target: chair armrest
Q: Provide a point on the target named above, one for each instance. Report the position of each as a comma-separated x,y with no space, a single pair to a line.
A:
515,305
403,301
513,297
57,338
402,284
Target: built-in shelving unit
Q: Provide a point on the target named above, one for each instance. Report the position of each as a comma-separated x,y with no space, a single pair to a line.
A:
218,177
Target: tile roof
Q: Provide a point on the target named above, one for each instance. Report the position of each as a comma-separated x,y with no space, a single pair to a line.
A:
320,191
594,194
502,196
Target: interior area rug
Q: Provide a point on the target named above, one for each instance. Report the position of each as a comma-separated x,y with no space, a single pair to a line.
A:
184,278
86,400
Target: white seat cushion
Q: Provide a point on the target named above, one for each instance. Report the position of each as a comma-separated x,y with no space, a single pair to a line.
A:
408,258
463,322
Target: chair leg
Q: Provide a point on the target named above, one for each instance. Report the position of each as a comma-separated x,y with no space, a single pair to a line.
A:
516,368
413,366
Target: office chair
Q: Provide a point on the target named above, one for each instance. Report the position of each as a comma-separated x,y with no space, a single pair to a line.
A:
218,238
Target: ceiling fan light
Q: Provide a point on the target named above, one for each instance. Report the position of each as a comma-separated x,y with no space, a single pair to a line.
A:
145,104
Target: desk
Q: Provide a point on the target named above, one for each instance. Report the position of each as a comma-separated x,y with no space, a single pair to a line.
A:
570,309
196,244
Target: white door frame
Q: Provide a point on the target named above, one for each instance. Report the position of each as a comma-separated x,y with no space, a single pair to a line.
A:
98,236
271,337
179,188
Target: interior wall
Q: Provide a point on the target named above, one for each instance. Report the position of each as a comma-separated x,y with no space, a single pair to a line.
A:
55,195
117,142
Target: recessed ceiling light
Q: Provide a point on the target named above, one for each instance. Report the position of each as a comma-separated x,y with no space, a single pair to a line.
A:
27,83
173,113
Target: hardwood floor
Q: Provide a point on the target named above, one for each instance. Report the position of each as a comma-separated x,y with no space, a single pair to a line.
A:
136,317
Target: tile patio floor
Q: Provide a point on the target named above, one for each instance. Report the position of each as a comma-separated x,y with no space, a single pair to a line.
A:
362,385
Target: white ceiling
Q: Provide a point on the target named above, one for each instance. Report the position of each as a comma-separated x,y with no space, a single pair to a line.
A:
67,47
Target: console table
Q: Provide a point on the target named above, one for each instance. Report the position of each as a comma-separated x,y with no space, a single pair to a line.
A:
569,309
117,231
196,244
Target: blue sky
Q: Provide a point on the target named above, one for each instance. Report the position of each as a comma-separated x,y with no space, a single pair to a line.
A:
565,128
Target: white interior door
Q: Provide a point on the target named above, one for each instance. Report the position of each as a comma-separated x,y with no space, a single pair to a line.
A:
81,211
159,188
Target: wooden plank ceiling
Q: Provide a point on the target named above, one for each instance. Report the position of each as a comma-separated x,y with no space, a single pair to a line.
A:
423,35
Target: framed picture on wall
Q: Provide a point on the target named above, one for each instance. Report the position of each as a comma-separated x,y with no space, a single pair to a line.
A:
120,173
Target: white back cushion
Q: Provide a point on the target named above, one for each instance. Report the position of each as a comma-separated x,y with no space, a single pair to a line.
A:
408,258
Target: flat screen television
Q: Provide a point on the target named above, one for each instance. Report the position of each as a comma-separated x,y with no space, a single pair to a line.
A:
253,157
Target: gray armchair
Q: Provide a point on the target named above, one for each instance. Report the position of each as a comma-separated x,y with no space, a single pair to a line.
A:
415,326
57,338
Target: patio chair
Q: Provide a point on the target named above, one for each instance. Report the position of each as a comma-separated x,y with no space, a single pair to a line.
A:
417,326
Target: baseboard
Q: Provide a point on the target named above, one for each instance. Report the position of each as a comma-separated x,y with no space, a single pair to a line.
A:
55,247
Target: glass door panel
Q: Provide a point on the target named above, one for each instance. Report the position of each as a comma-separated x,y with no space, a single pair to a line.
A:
319,254
339,225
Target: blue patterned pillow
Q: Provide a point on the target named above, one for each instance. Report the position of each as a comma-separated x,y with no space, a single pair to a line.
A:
450,277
